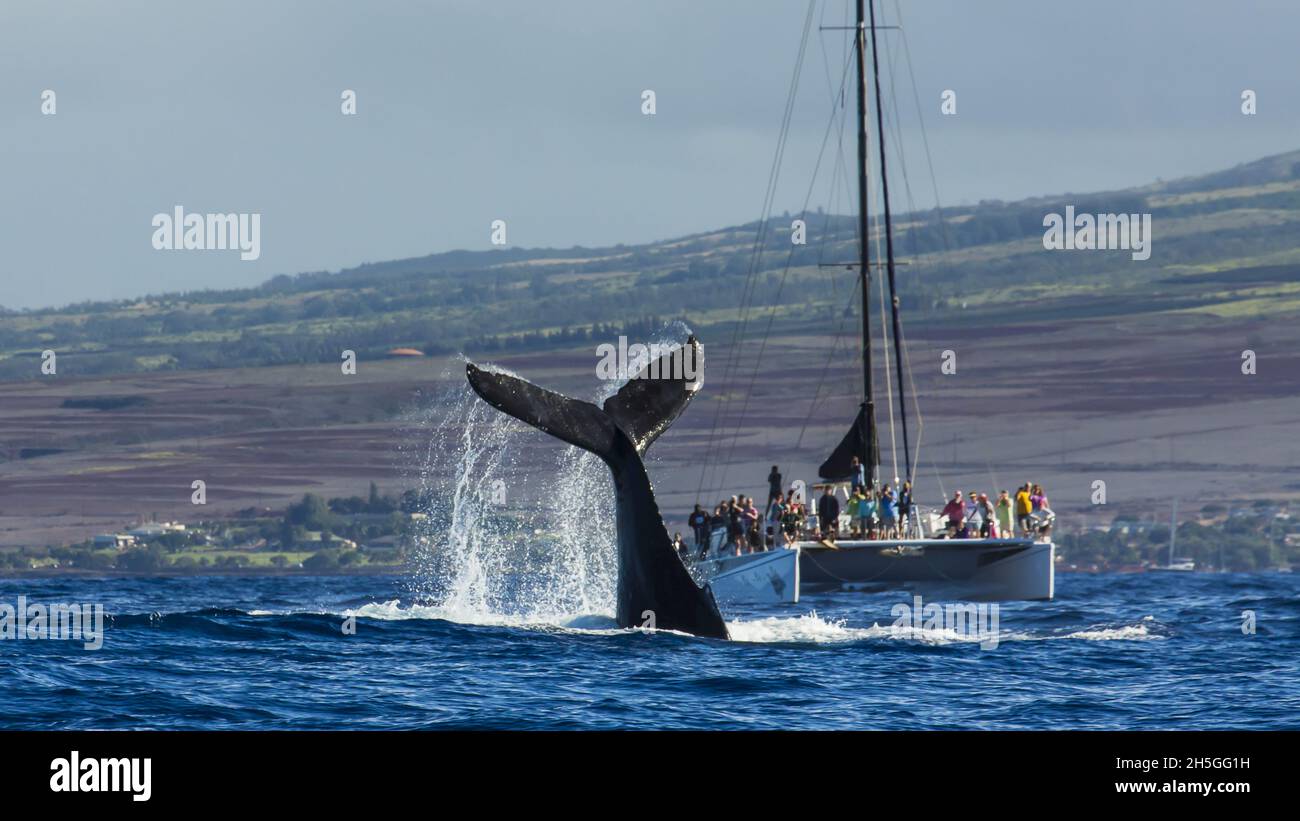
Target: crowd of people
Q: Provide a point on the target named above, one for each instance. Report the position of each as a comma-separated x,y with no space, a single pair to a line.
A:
1027,512
872,512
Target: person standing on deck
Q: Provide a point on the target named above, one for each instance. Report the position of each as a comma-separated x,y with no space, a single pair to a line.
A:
905,509
1003,508
735,525
790,523
773,485
888,513
857,474
867,513
851,508
750,518
699,522
775,510
828,514
1024,507
988,523
955,512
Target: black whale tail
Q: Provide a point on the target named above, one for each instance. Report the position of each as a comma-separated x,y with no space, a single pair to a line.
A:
642,409
654,587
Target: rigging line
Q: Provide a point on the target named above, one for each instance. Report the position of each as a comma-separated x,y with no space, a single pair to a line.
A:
776,304
884,335
760,235
739,330
834,349
916,405
767,330
889,386
892,55
759,241
839,162
943,227
838,338
925,140
889,249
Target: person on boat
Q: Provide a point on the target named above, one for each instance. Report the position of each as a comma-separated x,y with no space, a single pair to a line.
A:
735,525
749,516
905,508
867,513
717,522
1036,497
988,519
680,546
955,513
773,485
775,510
828,514
1003,510
857,474
699,522
888,513
790,522
1024,507
1043,515
974,519
851,508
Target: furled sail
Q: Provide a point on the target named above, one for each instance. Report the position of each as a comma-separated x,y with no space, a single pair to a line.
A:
837,465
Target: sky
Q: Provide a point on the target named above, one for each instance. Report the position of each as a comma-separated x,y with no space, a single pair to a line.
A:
470,111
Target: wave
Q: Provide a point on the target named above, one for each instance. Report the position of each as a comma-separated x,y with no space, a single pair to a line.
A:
804,629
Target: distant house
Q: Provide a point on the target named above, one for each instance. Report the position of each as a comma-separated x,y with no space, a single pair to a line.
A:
118,541
152,530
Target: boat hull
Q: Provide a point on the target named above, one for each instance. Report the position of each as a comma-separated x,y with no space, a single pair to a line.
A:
966,569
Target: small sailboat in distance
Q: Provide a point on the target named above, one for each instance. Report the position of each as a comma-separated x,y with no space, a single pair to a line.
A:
1175,565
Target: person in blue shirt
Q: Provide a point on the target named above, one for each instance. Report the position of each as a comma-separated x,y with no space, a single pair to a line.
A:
888,512
857,474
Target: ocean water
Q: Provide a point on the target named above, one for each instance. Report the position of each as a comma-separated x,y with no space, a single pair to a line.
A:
1112,651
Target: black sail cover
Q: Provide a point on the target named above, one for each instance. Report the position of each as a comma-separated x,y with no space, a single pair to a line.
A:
838,465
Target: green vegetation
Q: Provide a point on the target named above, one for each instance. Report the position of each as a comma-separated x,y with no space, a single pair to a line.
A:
1224,243
1260,537
313,535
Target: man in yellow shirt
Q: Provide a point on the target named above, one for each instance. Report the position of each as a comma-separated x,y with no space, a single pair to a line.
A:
1023,508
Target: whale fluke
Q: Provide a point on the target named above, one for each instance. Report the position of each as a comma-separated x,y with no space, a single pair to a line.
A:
651,577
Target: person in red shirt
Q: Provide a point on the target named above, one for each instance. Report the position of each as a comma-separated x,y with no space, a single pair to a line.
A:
955,512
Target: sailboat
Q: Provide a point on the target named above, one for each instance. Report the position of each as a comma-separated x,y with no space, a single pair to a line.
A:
1178,565
980,569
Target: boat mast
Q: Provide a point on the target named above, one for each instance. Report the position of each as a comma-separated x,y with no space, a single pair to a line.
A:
868,415
889,247
1173,532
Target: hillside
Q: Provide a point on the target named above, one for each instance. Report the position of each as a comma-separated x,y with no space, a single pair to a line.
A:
1225,244
1074,367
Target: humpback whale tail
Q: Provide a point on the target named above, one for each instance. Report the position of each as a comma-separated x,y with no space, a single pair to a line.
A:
653,587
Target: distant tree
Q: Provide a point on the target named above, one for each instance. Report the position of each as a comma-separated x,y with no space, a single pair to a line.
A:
142,559
312,513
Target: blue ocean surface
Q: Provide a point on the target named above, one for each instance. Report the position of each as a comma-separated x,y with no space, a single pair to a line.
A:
1141,651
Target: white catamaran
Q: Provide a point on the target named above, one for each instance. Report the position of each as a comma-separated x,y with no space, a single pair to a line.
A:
1007,568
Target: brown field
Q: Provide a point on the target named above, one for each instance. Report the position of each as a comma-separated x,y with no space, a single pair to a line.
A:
1157,407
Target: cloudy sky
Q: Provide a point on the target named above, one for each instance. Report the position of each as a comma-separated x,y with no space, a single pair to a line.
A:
470,111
